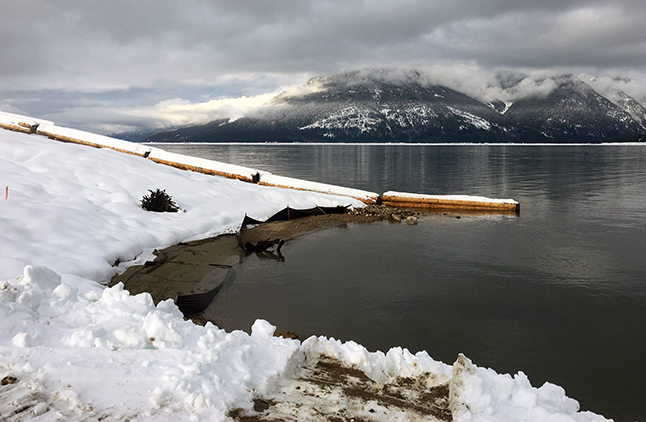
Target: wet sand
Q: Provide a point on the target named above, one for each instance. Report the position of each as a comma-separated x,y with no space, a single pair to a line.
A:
183,269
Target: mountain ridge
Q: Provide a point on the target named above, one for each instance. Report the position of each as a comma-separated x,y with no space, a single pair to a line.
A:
378,106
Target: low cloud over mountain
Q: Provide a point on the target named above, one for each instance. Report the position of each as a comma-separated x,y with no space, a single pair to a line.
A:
387,105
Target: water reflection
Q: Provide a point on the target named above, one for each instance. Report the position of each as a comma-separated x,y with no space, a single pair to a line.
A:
559,293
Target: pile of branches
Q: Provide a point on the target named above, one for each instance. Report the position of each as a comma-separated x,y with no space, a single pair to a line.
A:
158,201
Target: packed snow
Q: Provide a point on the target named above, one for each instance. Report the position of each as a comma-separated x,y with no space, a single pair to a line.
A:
72,349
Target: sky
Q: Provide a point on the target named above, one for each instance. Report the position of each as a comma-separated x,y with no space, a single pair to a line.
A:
119,65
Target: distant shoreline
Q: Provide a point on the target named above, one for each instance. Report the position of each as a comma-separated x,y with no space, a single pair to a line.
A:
555,144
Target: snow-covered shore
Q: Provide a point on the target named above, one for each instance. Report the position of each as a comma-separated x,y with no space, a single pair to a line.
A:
71,349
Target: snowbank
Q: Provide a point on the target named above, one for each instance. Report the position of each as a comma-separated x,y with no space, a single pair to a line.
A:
92,352
76,209
72,349
81,352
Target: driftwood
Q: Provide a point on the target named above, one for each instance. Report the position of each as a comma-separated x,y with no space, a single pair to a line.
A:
263,245
261,249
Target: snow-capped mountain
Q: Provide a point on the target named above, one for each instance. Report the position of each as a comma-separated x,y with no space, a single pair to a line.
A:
375,106
630,105
574,112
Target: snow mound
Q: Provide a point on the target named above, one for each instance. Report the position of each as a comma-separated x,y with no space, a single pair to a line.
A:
79,351
121,354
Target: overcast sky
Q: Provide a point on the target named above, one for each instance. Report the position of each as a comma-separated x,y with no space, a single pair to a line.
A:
116,64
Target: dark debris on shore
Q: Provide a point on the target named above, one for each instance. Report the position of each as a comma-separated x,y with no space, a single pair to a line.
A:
386,213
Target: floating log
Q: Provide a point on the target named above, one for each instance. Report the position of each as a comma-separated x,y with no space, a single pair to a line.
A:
20,127
203,170
453,202
18,123
268,179
62,138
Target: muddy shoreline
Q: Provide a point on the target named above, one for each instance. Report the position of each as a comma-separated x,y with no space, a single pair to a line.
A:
191,273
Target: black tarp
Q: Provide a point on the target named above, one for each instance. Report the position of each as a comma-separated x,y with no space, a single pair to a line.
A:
192,304
291,213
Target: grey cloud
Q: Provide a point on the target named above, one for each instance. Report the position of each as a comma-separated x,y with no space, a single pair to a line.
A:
156,48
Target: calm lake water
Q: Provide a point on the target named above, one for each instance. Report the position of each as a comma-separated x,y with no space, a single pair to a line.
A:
558,292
